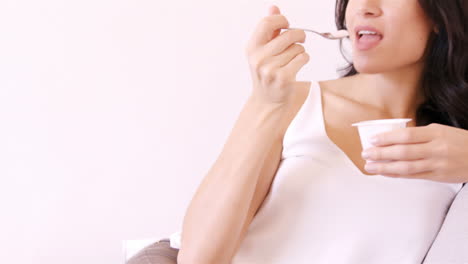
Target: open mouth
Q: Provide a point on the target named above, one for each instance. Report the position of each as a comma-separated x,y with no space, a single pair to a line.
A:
368,34
367,38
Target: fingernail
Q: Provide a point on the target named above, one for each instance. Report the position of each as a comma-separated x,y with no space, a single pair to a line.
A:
365,154
374,140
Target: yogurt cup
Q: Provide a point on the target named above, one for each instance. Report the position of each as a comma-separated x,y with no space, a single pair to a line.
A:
369,128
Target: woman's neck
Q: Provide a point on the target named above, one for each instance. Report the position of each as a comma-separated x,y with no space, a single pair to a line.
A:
395,94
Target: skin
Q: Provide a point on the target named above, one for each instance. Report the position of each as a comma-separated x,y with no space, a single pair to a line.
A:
388,86
390,72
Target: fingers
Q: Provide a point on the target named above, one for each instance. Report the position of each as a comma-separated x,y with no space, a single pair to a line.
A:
406,135
275,59
296,64
399,152
399,168
283,41
286,56
267,29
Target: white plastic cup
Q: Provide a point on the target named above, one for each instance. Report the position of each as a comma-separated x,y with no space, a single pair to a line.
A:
369,128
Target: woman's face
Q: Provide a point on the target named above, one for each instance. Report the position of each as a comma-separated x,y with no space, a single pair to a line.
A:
402,30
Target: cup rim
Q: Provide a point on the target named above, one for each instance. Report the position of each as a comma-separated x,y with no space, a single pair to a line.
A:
382,121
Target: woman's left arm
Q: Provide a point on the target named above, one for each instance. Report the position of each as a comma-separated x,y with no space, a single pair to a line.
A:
433,152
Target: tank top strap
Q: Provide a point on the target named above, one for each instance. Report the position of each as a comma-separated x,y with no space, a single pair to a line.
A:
306,130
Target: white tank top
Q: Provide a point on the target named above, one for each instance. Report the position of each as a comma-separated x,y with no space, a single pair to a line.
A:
322,209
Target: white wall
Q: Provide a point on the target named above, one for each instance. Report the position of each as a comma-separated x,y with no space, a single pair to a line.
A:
111,113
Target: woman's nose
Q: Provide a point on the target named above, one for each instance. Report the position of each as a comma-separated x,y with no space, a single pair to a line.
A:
369,8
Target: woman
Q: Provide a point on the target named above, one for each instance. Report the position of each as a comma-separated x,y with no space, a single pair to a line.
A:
292,184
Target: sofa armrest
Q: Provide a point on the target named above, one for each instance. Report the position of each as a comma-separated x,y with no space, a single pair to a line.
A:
451,244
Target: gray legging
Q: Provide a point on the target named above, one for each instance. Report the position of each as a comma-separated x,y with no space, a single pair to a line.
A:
156,253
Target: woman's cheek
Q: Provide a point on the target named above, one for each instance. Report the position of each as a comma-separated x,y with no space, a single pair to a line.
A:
413,46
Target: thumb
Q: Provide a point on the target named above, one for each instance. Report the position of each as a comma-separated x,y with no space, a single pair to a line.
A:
274,10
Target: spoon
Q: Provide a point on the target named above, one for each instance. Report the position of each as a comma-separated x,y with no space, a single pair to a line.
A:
329,35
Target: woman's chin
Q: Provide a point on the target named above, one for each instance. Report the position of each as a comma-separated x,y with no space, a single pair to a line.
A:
368,67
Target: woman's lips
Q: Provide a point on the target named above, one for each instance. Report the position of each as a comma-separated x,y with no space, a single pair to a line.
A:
367,42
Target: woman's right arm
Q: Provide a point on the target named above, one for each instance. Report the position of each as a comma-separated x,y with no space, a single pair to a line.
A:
215,217
235,186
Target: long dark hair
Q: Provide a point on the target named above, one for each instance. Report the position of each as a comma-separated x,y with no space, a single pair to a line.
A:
445,76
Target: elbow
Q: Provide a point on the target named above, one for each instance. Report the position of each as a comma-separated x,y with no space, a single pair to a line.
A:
191,257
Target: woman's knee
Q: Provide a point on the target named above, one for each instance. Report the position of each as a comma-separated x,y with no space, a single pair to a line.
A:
156,253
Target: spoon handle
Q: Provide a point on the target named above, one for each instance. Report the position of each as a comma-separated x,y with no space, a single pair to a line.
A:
310,30
329,35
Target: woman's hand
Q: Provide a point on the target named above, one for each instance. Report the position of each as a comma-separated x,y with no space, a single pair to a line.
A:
433,152
275,60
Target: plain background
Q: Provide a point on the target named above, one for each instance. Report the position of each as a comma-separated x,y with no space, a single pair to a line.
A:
112,112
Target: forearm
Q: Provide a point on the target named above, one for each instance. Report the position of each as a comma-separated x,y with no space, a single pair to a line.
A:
216,214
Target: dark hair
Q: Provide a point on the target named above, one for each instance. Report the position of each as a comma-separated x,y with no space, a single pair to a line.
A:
445,74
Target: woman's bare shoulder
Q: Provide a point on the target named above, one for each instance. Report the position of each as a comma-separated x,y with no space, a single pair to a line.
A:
341,87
